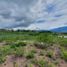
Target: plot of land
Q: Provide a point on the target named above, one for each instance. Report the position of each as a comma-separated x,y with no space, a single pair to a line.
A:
32,49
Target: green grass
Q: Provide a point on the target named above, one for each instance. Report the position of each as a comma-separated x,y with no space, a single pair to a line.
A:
15,45
47,37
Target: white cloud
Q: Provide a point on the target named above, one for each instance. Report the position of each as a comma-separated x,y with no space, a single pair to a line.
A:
33,14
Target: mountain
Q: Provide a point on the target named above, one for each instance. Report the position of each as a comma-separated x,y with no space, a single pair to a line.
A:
60,29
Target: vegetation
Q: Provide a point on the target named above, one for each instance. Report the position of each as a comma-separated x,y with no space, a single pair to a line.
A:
30,54
42,63
42,45
35,49
50,54
64,54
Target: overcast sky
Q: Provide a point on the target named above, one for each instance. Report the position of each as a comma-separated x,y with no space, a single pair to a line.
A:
33,14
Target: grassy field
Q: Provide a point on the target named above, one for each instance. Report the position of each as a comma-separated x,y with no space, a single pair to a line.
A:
32,49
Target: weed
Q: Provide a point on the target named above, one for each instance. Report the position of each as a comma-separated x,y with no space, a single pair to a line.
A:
50,54
41,45
19,52
30,54
2,59
42,63
64,54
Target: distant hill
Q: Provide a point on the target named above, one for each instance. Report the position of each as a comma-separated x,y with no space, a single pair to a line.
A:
60,29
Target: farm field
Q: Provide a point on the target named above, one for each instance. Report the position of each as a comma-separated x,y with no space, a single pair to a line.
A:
32,49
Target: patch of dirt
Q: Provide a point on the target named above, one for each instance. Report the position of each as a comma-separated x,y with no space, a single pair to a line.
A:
62,63
14,62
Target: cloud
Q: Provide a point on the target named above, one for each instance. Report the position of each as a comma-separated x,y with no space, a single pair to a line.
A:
14,13
27,14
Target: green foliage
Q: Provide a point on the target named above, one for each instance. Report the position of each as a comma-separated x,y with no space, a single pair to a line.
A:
10,49
51,65
63,42
15,44
50,54
64,53
30,54
18,44
2,59
42,53
42,45
42,63
48,37
4,51
19,52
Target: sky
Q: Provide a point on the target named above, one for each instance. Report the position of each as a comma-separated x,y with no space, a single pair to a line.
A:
33,14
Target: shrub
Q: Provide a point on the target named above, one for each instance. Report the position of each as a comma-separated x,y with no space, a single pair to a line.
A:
29,65
30,54
64,54
4,50
2,59
51,65
18,44
41,45
42,53
33,51
19,52
50,54
63,42
42,63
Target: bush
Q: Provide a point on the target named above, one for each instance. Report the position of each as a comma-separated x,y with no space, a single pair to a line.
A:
51,65
30,55
42,53
18,44
50,54
64,54
42,63
29,65
63,42
19,52
2,59
41,45
4,51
